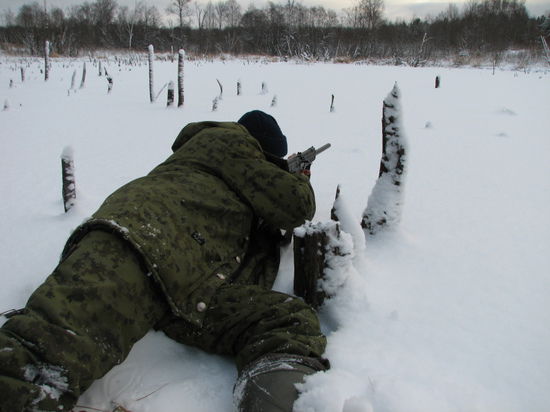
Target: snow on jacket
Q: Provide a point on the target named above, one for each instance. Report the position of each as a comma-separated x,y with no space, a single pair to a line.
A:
208,215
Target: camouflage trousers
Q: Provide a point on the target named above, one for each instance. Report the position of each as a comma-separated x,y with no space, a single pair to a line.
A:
84,319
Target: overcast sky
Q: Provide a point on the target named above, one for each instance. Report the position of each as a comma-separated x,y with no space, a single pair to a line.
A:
394,9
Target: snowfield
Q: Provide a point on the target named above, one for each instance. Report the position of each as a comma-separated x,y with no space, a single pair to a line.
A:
447,312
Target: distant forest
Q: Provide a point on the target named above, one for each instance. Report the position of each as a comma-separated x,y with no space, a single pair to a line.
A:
480,27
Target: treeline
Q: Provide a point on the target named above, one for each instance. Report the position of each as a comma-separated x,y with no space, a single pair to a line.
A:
288,30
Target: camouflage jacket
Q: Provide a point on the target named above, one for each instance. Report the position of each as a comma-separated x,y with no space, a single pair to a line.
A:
208,215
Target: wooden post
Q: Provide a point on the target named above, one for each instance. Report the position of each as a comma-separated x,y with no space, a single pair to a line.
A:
314,247
170,99
332,104
309,264
151,57
220,97
47,61
83,76
437,82
73,78
181,57
333,213
67,170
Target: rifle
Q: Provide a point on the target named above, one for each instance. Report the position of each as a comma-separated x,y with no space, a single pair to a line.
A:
303,160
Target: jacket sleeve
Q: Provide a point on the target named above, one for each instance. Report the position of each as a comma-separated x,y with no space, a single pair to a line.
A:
284,200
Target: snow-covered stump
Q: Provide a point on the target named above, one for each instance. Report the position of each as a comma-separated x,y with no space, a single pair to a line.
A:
341,213
181,57
319,251
170,95
334,212
386,199
46,60
151,88
67,170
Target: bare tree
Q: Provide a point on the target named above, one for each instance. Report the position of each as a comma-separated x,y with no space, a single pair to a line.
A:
180,8
200,14
220,9
127,19
366,14
210,21
234,13
8,17
104,11
151,17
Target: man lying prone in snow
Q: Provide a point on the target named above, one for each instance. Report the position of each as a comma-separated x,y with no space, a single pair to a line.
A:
191,249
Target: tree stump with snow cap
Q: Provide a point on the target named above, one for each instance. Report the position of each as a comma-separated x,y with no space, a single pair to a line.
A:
315,247
385,201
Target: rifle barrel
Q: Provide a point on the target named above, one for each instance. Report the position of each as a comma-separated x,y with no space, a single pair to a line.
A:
322,148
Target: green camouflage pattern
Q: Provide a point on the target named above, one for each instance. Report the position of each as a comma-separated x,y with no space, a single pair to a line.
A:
248,322
192,217
190,249
76,326
98,302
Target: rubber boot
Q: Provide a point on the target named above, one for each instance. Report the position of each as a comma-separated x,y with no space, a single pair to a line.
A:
268,384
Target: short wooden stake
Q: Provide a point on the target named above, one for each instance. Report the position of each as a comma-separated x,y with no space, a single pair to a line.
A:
47,60
73,78
67,170
313,245
220,97
181,57
170,98
151,58
83,82
309,263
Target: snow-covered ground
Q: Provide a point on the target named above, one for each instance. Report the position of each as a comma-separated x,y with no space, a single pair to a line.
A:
448,312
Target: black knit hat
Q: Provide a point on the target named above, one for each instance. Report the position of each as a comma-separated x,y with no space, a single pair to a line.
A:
266,131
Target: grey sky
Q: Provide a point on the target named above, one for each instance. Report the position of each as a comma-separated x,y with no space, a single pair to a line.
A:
394,9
